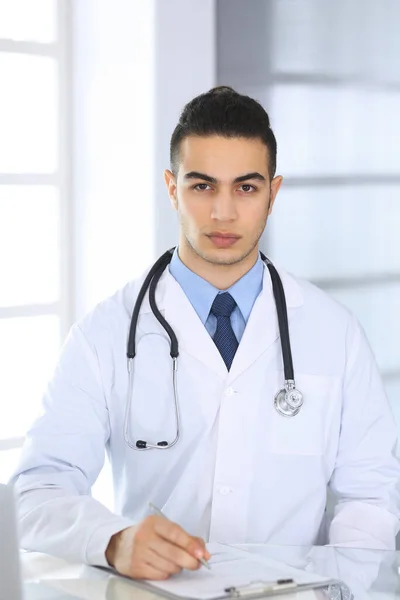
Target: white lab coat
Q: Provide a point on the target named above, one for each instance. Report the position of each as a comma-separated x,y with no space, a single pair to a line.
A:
240,472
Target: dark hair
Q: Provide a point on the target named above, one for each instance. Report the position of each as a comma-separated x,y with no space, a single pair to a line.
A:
223,111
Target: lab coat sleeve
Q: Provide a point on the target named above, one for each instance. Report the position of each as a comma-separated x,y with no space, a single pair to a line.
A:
61,459
366,477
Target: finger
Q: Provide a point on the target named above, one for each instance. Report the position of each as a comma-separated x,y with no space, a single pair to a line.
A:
197,548
174,554
176,535
145,570
202,543
161,563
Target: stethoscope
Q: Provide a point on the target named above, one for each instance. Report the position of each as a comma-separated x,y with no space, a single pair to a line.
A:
288,401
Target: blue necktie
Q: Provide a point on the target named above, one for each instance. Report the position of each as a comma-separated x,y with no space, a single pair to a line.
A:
224,337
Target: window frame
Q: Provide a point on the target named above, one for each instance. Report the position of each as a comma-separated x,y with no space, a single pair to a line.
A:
61,179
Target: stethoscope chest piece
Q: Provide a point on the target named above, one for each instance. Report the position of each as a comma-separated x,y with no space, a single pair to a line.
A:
289,400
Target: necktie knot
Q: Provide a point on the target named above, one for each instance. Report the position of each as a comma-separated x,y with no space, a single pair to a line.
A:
223,305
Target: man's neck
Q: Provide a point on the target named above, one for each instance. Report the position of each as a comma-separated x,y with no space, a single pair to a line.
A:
220,276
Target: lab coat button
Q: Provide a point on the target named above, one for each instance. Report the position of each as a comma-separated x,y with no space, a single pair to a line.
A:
230,391
224,490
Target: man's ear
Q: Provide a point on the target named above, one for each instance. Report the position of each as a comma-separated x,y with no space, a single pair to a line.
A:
275,185
170,182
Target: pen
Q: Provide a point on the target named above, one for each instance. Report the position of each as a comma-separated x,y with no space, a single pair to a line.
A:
161,514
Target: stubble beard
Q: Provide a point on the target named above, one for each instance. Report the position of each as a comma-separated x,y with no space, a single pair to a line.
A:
221,261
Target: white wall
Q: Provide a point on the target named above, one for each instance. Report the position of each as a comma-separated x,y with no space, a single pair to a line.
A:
135,64
113,160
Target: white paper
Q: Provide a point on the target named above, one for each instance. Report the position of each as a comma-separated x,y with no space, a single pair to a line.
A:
231,567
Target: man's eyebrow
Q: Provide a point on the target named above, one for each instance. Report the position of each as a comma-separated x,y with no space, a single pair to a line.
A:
204,177
254,175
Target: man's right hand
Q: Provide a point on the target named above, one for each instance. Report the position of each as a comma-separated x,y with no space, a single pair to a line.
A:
155,549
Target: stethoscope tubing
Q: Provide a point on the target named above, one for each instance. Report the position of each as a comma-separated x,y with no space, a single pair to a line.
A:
282,402
281,309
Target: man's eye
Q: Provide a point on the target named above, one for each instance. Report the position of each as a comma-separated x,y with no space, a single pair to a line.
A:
246,187
201,187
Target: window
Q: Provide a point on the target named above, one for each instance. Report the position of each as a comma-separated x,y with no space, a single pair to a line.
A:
328,73
35,311
335,95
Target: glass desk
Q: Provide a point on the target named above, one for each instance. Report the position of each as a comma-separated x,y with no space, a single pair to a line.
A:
364,574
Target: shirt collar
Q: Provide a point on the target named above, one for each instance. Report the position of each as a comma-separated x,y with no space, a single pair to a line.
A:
201,293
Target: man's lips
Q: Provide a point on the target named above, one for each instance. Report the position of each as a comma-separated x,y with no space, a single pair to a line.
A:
223,240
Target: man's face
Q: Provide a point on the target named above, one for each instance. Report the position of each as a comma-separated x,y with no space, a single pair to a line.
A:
223,196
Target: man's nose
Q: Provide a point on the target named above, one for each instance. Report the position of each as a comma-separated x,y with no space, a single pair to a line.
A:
224,206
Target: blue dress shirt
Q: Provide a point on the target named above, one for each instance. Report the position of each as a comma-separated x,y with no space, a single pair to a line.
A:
201,294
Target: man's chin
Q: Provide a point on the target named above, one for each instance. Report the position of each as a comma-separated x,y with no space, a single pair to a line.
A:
222,257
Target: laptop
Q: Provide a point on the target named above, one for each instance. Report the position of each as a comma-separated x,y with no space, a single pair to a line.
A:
11,585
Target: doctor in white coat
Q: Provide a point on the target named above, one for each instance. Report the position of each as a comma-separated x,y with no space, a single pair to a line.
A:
240,471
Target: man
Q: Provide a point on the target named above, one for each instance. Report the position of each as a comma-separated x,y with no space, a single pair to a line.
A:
240,471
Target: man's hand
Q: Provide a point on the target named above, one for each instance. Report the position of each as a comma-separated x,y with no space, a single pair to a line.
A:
155,549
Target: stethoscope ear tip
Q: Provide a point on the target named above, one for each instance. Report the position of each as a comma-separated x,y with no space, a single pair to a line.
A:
142,445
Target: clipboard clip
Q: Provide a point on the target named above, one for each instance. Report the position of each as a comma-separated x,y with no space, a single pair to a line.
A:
258,588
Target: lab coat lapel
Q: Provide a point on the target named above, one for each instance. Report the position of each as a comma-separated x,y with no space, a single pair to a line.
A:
260,333
262,328
192,335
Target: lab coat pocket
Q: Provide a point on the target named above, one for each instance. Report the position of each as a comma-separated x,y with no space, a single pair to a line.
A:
307,433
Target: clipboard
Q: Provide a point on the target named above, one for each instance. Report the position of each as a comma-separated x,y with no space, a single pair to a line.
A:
263,589
260,589
235,573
